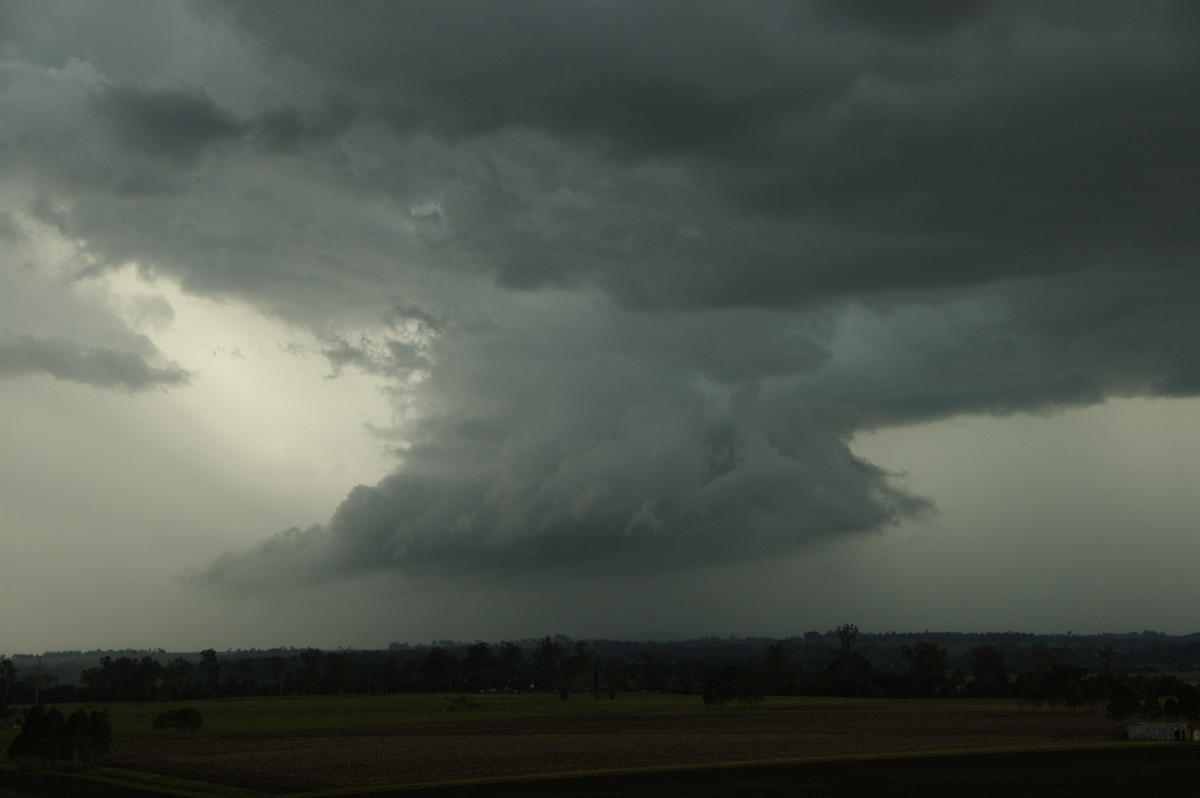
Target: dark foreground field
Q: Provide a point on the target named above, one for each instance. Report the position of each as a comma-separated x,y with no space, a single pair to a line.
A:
1099,773
856,748
1147,770
1155,769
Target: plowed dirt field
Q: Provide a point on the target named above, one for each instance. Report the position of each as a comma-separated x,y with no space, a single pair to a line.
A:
505,749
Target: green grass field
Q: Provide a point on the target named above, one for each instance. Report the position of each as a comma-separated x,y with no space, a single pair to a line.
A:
280,715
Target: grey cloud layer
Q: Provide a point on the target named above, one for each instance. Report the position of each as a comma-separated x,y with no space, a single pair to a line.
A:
639,272
831,158
94,365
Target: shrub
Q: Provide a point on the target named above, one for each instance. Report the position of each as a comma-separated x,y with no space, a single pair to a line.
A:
186,719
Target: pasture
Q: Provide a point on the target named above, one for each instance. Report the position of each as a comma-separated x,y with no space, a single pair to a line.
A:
330,745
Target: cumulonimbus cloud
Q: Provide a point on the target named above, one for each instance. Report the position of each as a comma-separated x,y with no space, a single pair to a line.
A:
676,261
571,462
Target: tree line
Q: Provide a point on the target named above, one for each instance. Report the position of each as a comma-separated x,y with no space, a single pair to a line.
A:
841,662
47,735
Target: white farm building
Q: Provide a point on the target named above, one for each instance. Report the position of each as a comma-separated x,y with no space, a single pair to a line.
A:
1161,731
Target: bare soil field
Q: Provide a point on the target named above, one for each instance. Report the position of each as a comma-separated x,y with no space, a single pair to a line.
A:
880,749
1164,770
371,759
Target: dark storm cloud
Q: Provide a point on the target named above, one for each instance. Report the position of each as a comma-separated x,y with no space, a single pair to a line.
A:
92,365
646,77
638,272
837,152
698,504
917,17
978,207
287,128
176,124
1029,346
537,455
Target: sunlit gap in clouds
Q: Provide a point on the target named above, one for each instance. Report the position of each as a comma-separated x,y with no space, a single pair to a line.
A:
264,391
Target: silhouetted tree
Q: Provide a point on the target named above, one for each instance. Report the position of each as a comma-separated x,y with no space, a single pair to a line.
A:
210,666
245,668
37,680
616,674
128,678
310,669
989,673
849,673
732,682
1063,684
928,669
149,671
651,672
88,736
1124,701
99,734
177,676
1187,702
547,663
275,667
438,667
388,674
847,635
577,664
508,660
1108,656
479,666
776,662
43,736
341,671
1095,691
8,676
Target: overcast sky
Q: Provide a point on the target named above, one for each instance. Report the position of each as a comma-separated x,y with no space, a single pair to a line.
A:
338,324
